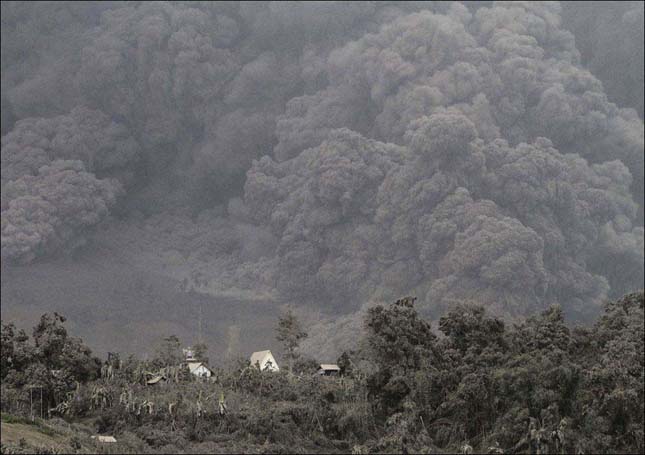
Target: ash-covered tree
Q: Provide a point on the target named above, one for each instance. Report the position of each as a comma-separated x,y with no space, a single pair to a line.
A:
345,364
464,391
289,332
168,352
15,350
55,362
611,390
469,328
56,350
50,336
398,338
200,351
400,344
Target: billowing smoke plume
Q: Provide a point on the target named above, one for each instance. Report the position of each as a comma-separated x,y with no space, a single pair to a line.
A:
50,187
609,36
335,153
45,212
512,164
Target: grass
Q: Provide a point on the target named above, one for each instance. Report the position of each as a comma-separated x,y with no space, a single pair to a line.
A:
21,435
9,418
13,433
38,423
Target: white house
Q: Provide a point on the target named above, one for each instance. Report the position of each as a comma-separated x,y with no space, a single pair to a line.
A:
264,360
199,369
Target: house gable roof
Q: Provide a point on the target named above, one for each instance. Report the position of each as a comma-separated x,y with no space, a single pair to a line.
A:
259,356
193,366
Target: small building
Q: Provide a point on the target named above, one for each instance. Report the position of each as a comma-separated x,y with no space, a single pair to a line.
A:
199,369
189,355
101,438
264,360
328,369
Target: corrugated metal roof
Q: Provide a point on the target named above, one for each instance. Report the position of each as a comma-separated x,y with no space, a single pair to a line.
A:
329,366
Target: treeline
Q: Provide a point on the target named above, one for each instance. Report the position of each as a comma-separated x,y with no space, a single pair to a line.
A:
476,385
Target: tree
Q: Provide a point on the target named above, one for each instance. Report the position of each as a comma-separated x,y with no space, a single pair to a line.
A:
54,363
50,337
469,328
398,338
345,364
612,391
290,333
56,350
200,352
168,352
400,344
15,350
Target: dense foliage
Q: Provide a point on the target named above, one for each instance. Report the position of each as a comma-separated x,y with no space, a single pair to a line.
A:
537,386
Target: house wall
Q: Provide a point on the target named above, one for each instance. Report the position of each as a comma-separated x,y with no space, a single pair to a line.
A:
267,359
202,371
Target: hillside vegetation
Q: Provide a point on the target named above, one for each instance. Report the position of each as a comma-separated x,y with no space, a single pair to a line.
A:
538,385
